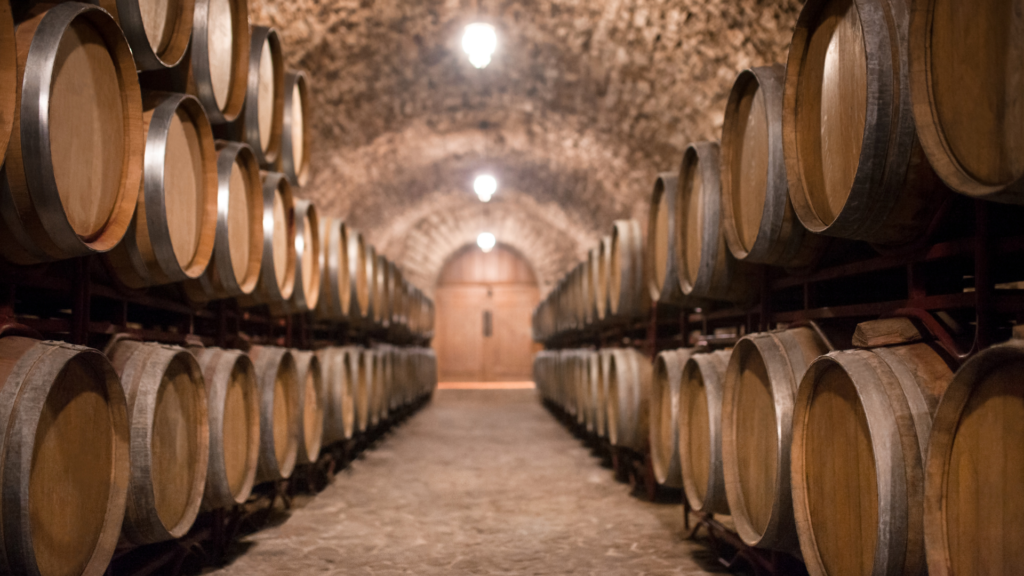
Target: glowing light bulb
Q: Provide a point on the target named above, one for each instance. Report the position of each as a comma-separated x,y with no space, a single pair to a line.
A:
486,241
479,42
485,186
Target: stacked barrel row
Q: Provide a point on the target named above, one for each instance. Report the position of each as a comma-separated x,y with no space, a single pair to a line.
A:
886,458
173,142
133,443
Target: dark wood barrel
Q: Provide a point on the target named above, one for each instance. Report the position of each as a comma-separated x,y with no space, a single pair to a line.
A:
662,274
74,162
757,422
629,398
277,270
295,132
705,266
860,435
234,268
8,77
362,383
232,398
627,296
312,400
170,438
261,122
172,235
853,162
65,435
757,215
700,431
974,480
337,394
359,291
668,368
280,432
158,32
966,94
334,282
307,288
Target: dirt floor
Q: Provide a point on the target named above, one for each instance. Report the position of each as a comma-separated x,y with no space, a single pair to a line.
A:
478,482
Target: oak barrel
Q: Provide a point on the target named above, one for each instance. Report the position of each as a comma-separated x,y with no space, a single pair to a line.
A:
603,288
705,266
629,397
74,161
233,403
235,266
853,162
662,241
312,399
261,122
668,368
381,291
277,270
627,296
370,262
700,431
965,88
217,68
280,423
757,215
359,290
336,365
335,285
757,422
158,31
974,479
170,438
172,235
307,288
8,77
362,383
65,463
860,431
295,131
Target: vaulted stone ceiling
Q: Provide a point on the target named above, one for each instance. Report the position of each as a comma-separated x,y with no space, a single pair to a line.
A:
584,102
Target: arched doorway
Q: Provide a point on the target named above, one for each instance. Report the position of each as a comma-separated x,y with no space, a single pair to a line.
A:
484,302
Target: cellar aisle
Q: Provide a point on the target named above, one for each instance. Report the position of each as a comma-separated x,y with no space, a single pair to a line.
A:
479,482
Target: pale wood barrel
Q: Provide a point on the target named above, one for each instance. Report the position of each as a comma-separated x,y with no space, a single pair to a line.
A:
170,438
860,434
217,70
362,382
234,268
295,131
396,288
277,270
381,288
965,88
335,286
312,400
668,369
280,432
8,77
261,123
757,422
662,240
359,285
705,266
172,236
580,384
974,479
74,162
853,162
593,384
338,396
232,398
157,30
629,397
387,382
604,361
375,391
627,296
757,214
306,291
370,262
65,437
700,431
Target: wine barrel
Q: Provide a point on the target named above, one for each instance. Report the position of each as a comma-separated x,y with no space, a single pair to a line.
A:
396,307
757,215
370,261
277,271
295,132
859,509
629,396
336,364
386,391
626,294
853,162
975,475
238,243
74,162
311,402
604,360
757,422
700,431
966,94
706,268
578,366
158,32
668,368
217,69
604,272
306,291
362,382
8,78
359,291
593,386
65,460
335,287
381,297
172,234
662,275
170,438
376,387
233,401
261,122
280,432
